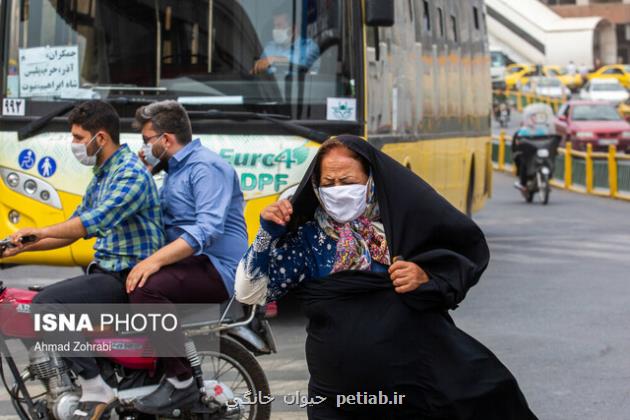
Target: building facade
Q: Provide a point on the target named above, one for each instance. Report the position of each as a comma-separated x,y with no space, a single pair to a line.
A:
616,11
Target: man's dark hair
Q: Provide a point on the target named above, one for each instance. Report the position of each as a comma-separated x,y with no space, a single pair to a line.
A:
94,116
167,117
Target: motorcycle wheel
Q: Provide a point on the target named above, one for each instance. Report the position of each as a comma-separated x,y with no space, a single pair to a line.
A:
545,194
234,361
529,196
544,188
227,363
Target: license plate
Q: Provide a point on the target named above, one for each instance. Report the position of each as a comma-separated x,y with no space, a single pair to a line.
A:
608,142
543,153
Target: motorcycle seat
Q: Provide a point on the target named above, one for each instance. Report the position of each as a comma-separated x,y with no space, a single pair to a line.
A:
210,314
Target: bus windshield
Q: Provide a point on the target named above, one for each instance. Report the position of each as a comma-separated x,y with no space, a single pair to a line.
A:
281,56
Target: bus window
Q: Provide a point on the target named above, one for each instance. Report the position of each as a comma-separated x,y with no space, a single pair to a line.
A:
426,16
476,17
279,56
441,21
454,29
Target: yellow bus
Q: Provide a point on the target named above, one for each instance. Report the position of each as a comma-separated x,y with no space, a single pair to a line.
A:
411,76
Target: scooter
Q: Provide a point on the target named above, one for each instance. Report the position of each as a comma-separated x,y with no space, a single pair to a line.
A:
501,111
221,352
539,155
503,115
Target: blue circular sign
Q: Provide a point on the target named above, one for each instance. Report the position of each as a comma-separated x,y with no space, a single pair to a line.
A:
27,159
47,166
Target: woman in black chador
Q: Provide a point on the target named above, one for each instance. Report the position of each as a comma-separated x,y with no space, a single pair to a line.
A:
378,258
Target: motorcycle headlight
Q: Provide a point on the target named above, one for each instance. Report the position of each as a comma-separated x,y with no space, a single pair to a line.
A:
584,134
542,153
625,134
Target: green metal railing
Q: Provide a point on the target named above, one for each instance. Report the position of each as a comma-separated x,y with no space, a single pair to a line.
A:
597,173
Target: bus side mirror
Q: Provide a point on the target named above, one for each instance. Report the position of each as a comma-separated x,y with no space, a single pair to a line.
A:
379,12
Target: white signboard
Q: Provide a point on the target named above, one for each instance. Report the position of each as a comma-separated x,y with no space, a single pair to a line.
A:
13,107
48,71
341,109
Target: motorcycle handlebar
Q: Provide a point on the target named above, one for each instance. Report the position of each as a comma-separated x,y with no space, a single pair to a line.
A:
6,243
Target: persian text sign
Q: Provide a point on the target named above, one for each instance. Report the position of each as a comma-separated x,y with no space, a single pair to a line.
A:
48,71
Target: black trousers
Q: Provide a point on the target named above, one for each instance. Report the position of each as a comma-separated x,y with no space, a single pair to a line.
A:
98,286
191,280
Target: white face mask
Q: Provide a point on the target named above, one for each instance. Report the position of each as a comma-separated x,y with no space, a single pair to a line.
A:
345,202
281,36
149,156
80,152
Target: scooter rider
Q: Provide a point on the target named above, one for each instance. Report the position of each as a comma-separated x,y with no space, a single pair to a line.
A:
121,209
202,206
531,127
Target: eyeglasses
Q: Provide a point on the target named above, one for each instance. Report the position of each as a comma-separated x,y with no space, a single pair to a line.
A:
147,140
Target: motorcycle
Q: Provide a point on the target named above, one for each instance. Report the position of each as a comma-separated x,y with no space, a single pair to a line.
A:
501,112
225,378
534,149
539,155
504,115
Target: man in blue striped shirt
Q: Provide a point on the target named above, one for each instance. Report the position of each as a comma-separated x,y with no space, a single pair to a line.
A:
121,209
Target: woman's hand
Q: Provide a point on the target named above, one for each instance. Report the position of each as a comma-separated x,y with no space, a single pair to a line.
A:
279,212
139,275
406,276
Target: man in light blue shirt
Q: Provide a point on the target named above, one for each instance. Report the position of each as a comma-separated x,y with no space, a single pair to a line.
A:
287,48
202,206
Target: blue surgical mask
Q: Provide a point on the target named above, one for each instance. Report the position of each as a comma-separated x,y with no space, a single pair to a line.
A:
149,156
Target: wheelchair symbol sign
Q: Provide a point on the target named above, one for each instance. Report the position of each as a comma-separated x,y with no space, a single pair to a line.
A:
47,167
26,159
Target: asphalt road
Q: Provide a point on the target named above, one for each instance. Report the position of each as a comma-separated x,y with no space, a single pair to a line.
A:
553,305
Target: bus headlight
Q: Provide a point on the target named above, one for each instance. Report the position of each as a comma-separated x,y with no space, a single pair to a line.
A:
625,134
28,186
13,180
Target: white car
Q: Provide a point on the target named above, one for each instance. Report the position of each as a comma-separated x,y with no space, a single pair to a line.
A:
546,86
604,90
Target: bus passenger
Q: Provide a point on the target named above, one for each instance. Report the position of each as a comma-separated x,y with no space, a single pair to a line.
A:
287,47
202,207
121,209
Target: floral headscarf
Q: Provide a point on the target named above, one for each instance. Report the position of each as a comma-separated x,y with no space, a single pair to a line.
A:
360,241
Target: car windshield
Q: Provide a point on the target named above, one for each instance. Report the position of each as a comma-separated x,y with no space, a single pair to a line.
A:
595,113
281,56
549,83
606,87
